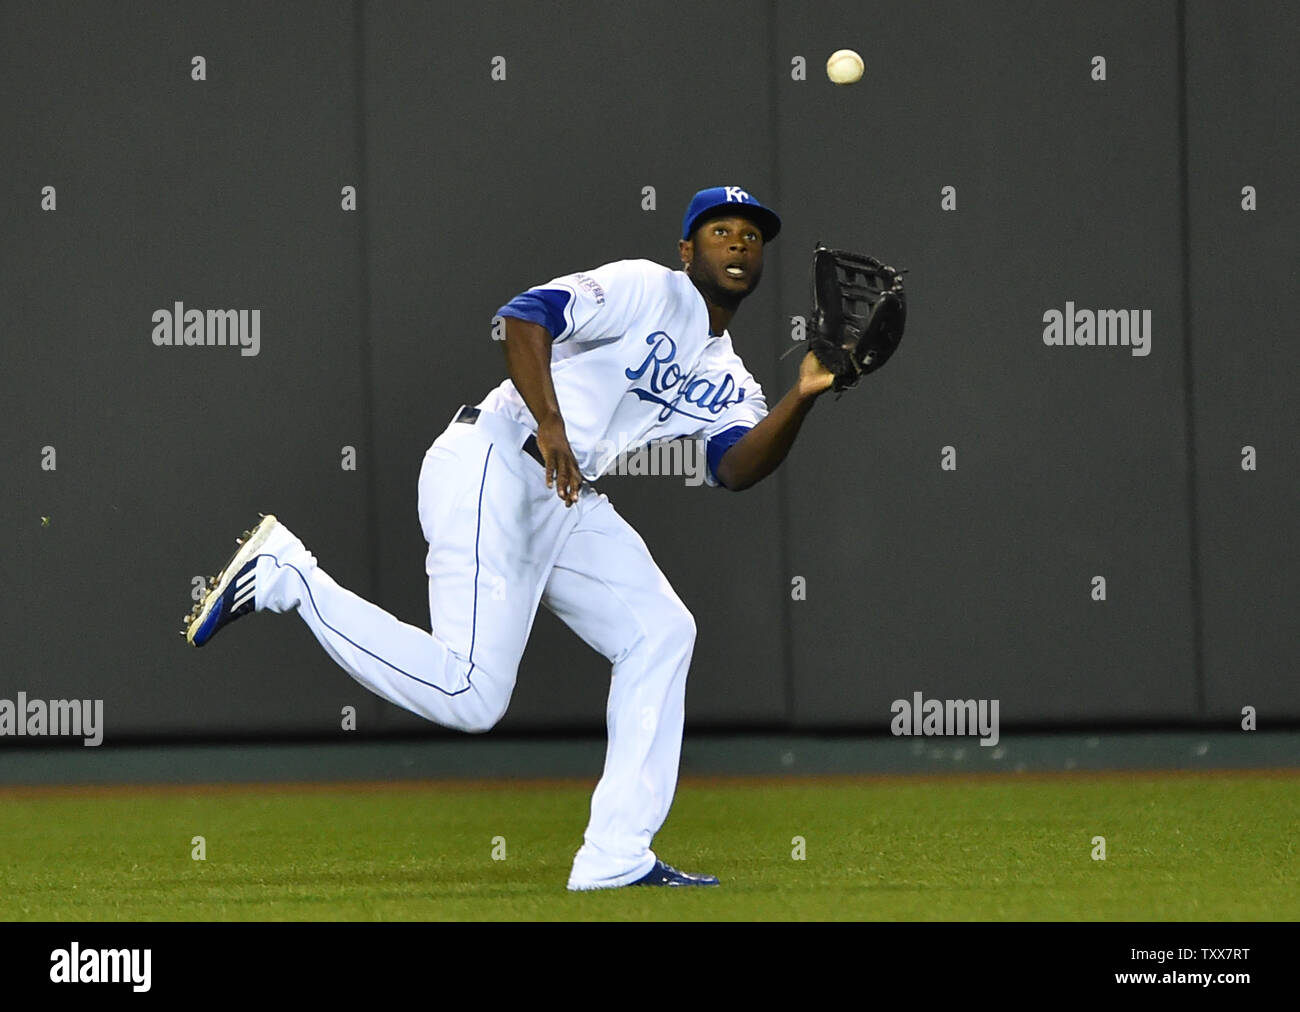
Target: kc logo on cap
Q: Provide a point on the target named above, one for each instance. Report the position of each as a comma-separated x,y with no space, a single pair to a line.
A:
715,200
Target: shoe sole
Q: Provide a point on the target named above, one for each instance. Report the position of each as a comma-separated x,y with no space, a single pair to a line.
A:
249,545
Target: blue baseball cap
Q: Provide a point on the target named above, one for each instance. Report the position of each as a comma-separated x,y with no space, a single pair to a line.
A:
724,201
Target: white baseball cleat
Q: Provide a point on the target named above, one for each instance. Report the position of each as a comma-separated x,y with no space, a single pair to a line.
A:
231,594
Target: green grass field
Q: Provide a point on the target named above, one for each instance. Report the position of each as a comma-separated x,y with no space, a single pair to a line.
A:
1177,848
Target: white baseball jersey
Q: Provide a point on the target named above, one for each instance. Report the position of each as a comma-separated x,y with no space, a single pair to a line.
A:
633,362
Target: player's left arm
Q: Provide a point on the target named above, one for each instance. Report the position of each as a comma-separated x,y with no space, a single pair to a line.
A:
760,451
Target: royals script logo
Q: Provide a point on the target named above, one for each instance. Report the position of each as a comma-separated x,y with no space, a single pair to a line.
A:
670,388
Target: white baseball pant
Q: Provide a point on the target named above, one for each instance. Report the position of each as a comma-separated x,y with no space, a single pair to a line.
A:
501,542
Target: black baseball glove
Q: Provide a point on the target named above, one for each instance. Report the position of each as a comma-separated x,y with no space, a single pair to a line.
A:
858,313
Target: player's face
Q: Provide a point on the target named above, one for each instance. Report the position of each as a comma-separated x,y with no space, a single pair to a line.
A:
726,256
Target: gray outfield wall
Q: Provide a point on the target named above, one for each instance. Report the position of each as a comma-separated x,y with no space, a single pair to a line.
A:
948,520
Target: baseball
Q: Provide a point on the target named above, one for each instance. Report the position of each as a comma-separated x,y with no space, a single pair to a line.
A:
844,67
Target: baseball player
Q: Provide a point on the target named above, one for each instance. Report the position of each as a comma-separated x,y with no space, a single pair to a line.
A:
600,362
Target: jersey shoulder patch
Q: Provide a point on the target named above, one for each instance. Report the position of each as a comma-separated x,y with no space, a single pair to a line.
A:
586,283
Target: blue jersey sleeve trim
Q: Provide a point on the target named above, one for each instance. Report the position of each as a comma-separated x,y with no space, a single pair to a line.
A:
720,444
544,306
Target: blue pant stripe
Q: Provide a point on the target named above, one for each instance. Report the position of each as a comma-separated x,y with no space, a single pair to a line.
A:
478,527
343,636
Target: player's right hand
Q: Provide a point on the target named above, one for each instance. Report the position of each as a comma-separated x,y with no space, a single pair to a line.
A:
562,472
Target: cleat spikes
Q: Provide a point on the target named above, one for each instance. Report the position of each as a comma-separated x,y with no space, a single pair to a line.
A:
231,594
